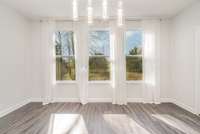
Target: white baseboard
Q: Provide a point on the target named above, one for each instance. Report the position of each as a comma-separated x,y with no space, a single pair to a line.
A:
184,106
66,100
13,108
36,100
56,100
178,103
73,100
167,100
99,99
139,100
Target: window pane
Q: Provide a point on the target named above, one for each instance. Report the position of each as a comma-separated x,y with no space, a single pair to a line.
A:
133,42
64,43
134,69
99,68
65,68
99,43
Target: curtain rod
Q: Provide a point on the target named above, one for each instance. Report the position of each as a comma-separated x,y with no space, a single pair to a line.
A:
99,18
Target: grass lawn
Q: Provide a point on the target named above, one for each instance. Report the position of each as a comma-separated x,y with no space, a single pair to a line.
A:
134,76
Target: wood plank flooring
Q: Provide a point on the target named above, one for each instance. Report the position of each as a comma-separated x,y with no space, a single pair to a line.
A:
100,118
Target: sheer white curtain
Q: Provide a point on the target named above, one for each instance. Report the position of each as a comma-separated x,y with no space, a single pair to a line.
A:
81,45
47,47
151,87
118,64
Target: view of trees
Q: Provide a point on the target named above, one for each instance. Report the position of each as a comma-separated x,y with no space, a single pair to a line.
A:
99,43
135,51
99,55
99,68
134,69
99,50
65,59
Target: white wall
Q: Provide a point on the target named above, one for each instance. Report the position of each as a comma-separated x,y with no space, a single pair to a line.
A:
182,58
36,64
14,56
63,91
165,74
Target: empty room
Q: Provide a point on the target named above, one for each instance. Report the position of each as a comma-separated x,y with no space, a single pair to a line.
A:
99,67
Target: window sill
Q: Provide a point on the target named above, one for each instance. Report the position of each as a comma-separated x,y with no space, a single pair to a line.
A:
99,82
66,82
135,82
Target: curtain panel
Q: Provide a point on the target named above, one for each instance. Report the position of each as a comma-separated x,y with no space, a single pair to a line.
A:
151,61
48,55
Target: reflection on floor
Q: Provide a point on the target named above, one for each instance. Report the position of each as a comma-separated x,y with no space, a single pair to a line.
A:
100,118
67,123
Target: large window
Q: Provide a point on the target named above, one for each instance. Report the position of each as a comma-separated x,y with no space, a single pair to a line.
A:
99,55
133,50
65,56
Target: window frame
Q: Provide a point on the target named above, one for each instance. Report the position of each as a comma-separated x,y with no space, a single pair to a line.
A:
142,55
60,56
109,57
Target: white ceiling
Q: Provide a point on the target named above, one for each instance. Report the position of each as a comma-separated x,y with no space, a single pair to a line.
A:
132,8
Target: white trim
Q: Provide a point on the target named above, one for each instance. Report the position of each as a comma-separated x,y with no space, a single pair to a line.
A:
178,103
106,56
134,82
13,108
103,29
148,102
66,82
99,99
36,100
167,100
139,55
66,100
184,106
100,82
135,100
63,56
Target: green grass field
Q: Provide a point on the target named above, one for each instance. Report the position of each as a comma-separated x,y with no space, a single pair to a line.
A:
99,69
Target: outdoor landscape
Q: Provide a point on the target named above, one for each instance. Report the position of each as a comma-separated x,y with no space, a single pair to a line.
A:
99,56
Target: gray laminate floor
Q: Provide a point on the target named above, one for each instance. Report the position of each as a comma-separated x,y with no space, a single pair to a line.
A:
100,118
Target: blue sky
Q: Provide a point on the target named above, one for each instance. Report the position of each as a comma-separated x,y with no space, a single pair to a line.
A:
66,42
133,39
99,42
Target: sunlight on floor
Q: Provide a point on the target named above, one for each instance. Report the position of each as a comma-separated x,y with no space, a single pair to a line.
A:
175,123
117,123
67,123
120,122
